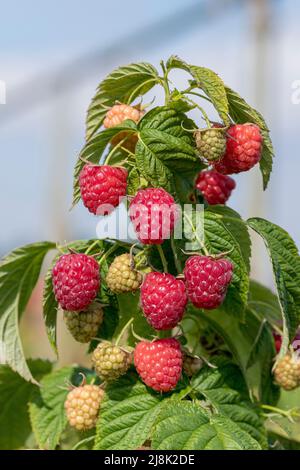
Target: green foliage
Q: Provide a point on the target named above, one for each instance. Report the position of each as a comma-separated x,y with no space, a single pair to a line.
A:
127,415
187,426
19,272
208,81
46,408
166,150
15,393
226,404
219,239
286,267
123,84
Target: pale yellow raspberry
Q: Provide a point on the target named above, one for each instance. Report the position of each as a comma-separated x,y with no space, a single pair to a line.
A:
82,406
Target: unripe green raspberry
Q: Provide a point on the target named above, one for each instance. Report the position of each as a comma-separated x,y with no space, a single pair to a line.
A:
121,277
82,406
287,372
84,325
191,365
211,143
110,361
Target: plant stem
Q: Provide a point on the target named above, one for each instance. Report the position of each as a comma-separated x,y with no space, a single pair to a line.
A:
113,151
206,118
163,258
123,330
83,441
95,243
287,414
108,252
141,85
165,83
196,94
176,258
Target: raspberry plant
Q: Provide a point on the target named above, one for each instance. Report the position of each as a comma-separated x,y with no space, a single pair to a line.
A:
209,375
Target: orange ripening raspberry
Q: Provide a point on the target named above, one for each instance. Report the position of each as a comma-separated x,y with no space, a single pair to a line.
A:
115,116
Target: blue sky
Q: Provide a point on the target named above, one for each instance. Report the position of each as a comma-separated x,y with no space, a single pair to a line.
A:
38,149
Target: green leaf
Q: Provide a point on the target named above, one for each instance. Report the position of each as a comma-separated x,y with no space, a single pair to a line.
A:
261,355
19,272
46,408
208,81
239,337
15,426
50,308
123,84
224,389
128,413
165,149
266,161
241,112
135,182
238,229
286,267
185,426
264,302
94,149
219,239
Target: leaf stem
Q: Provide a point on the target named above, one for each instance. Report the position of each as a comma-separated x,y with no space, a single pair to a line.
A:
132,96
83,441
95,243
163,258
113,151
108,252
165,82
288,414
206,118
176,257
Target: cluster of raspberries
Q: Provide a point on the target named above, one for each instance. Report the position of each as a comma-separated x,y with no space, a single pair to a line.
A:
229,151
163,297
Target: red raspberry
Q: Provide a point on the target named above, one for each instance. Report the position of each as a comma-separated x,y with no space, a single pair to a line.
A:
216,188
278,341
243,149
207,280
153,213
159,363
102,187
76,281
163,300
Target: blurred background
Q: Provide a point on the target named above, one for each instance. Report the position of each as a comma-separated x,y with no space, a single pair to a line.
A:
54,53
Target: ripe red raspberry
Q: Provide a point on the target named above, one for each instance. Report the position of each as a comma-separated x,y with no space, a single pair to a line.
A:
207,280
115,116
163,300
278,341
216,188
243,149
102,187
76,280
153,213
159,363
